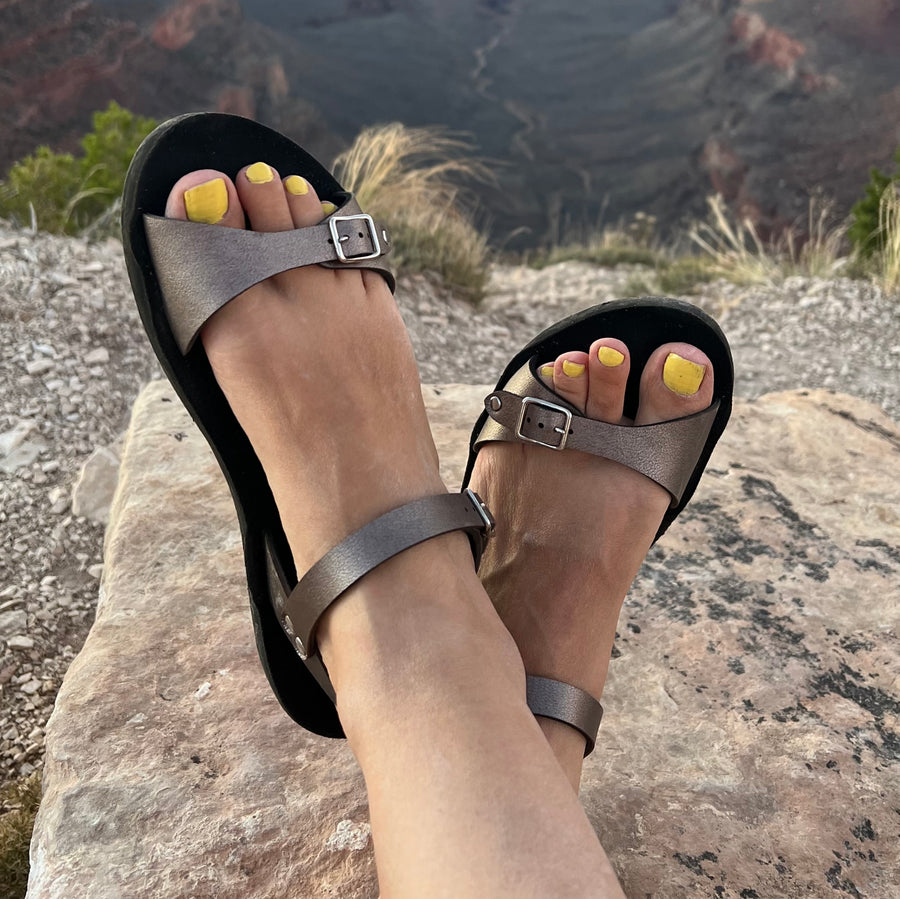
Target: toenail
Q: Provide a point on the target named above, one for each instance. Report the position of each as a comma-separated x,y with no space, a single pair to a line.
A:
296,185
547,370
207,203
572,369
328,207
610,357
682,376
259,173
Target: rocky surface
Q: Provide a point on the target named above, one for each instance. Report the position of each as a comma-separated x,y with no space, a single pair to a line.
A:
73,357
751,745
614,108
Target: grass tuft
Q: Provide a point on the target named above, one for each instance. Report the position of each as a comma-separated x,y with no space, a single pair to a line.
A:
19,802
736,252
888,262
410,178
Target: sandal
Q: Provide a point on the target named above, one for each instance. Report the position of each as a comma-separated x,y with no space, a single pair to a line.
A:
222,263
671,453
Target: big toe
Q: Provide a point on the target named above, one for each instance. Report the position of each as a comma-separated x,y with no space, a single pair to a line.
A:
676,381
206,196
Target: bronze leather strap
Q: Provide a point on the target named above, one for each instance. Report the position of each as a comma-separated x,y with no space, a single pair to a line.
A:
202,267
527,411
562,702
300,608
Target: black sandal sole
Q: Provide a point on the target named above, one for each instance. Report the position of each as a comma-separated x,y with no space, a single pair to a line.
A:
226,143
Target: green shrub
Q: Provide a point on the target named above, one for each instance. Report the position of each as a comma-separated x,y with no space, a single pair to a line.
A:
62,193
18,806
865,233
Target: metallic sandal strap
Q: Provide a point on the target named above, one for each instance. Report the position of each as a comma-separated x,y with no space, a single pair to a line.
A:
202,267
299,609
527,411
562,702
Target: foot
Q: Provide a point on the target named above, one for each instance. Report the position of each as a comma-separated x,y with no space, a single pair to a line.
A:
573,529
319,371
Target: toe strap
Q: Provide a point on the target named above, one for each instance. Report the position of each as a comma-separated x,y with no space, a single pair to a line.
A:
200,267
667,452
562,702
388,535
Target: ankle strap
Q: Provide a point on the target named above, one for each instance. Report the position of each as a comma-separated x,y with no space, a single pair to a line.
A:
562,702
300,609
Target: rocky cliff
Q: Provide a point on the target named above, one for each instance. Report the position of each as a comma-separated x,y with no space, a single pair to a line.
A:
592,110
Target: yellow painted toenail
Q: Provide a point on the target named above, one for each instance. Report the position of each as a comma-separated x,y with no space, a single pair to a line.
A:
547,370
296,185
610,357
328,208
572,369
207,203
682,376
259,173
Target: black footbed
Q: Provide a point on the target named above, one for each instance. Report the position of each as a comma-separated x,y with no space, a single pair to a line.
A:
643,324
226,143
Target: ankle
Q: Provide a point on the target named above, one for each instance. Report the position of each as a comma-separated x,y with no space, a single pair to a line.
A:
417,628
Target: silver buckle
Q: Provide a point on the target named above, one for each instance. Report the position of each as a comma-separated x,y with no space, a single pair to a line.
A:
338,240
563,431
482,510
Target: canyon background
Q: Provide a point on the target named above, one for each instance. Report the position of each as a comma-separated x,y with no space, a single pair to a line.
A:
590,111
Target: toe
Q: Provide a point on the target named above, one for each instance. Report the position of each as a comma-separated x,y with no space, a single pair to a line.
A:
206,196
677,380
303,202
262,195
570,378
608,367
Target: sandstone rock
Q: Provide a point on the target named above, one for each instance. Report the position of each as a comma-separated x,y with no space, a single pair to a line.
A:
750,745
93,492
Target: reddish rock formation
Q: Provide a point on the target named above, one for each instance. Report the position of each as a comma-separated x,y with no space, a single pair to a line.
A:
764,44
61,60
178,26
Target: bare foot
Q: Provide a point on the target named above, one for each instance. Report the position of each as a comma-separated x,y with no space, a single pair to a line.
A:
465,796
572,528
317,366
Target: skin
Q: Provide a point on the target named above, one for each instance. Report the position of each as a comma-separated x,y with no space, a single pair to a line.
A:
469,794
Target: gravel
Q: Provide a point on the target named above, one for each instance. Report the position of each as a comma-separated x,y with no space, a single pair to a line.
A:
73,357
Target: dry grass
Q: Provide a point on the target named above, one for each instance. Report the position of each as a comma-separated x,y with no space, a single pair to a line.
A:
410,178
736,251
631,243
888,262
18,805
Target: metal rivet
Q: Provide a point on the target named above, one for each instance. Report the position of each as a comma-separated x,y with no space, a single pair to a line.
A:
384,234
495,403
300,648
288,625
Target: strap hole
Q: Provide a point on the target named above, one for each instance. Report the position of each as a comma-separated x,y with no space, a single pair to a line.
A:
330,241
361,234
528,420
540,424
